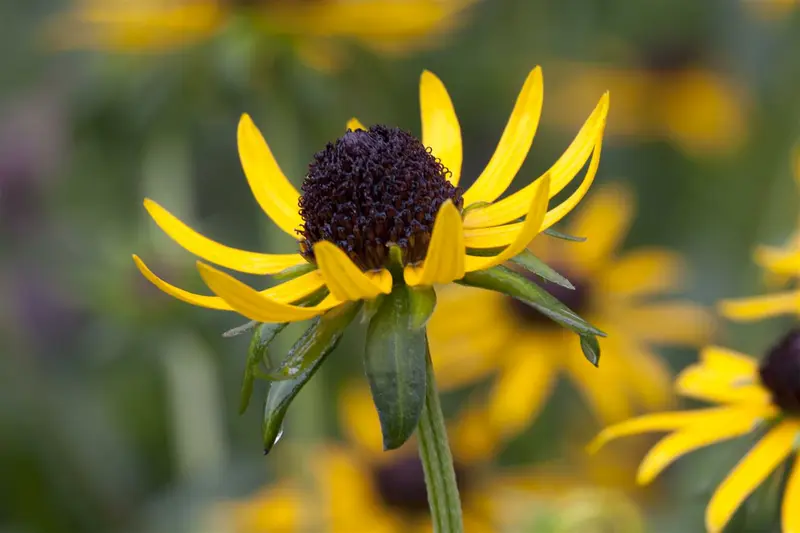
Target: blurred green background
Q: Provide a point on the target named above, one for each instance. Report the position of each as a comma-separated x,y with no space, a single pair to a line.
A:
118,405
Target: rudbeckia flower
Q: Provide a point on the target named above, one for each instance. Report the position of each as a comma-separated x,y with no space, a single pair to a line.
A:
161,25
748,396
783,266
623,293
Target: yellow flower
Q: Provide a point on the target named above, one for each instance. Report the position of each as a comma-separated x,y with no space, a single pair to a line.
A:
613,291
747,396
159,25
358,487
783,265
353,208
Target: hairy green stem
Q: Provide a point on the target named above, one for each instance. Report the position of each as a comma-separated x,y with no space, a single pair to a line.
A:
437,461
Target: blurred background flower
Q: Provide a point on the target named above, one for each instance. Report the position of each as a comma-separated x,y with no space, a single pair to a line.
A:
118,406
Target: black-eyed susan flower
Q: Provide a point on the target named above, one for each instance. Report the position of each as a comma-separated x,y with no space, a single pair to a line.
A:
622,292
160,25
380,221
782,263
748,396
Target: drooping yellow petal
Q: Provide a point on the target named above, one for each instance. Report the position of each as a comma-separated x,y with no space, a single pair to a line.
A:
729,363
522,389
562,172
701,383
344,279
759,307
444,261
644,272
512,149
790,514
288,292
249,303
734,423
205,248
440,129
654,422
272,190
529,230
765,456
355,124
779,260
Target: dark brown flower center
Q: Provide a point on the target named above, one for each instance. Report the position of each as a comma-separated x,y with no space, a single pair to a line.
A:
780,372
401,484
576,299
372,189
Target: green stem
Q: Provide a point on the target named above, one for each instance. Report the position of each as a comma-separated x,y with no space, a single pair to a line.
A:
437,461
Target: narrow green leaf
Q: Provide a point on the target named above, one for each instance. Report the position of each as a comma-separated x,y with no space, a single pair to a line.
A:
394,361
533,264
422,302
281,393
591,349
564,236
502,279
239,330
258,352
322,336
294,271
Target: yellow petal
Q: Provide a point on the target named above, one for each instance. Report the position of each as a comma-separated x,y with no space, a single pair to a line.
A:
673,323
644,272
440,129
790,516
759,307
529,230
355,124
779,260
241,260
701,383
731,364
562,172
594,384
288,292
522,389
734,423
255,306
273,192
749,473
444,261
512,149
649,378
504,235
653,422
344,279
359,420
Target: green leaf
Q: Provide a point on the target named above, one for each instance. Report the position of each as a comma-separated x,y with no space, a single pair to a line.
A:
294,271
564,236
240,330
422,302
322,336
370,308
530,262
502,279
257,353
591,349
394,361
313,351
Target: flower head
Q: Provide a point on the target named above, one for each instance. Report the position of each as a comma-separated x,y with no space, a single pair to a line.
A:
380,221
746,396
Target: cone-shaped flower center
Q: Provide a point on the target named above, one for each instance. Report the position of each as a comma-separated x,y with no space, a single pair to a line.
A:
780,372
401,484
576,299
371,189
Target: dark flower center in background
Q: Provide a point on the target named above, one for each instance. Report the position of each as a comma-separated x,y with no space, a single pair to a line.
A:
401,484
577,299
371,189
780,372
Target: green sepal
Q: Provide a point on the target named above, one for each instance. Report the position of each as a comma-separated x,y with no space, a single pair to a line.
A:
533,264
294,271
370,308
506,281
473,206
394,361
321,337
563,236
422,302
256,354
241,330
591,349
312,350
